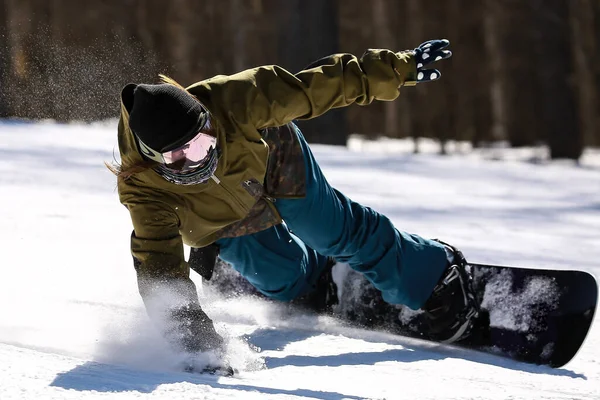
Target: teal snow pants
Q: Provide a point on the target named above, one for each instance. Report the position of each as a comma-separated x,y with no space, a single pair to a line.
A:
285,261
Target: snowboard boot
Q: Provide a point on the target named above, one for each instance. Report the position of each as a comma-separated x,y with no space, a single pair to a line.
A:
450,311
323,297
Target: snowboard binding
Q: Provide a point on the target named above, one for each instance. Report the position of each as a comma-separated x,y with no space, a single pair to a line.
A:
451,310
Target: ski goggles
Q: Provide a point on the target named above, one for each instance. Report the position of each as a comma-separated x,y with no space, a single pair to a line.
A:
199,175
187,157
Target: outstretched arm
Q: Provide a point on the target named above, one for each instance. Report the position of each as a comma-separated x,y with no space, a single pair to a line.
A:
271,96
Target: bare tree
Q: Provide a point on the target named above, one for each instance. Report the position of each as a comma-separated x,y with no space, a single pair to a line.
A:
420,119
498,77
383,36
436,107
177,38
240,31
584,48
519,59
555,74
472,73
308,31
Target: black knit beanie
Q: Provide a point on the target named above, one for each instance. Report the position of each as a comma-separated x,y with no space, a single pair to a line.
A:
165,116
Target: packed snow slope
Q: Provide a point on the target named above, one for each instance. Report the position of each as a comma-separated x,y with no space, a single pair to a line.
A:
72,325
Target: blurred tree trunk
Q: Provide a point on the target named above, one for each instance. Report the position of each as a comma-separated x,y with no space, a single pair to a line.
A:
420,118
498,77
437,105
519,61
136,63
555,72
151,19
454,88
357,34
383,37
208,31
472,74
177,38
264,33
400,31
32,53
240,31
584,47
5,65
308,31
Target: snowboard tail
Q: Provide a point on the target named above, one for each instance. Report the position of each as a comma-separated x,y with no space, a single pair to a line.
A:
544,316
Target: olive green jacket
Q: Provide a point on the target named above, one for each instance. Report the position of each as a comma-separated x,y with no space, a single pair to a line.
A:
250,112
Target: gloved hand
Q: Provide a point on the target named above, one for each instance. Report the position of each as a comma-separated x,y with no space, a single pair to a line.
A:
427,53
203,260
192,330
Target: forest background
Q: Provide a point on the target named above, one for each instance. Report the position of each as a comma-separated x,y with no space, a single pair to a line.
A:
524,72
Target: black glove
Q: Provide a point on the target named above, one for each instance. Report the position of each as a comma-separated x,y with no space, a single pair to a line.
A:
203,260
427,53
192,331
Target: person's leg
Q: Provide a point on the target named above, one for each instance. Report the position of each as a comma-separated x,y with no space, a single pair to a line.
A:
403,266
274,261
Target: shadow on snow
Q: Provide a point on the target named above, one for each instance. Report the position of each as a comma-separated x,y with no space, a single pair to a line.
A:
413,350
93,376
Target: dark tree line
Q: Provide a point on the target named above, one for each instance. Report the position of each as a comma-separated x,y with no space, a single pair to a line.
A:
523,71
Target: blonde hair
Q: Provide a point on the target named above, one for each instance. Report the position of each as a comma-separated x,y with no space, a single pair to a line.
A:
124,172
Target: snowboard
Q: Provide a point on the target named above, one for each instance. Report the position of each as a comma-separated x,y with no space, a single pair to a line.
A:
537,316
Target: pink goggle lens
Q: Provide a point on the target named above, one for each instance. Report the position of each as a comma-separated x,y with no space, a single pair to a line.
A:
193,151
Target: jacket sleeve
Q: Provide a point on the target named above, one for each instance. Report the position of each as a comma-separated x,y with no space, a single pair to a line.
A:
271,96
169,295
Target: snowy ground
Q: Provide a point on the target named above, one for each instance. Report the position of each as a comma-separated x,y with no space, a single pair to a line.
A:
72,325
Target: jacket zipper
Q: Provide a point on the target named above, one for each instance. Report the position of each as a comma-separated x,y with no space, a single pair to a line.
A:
230,193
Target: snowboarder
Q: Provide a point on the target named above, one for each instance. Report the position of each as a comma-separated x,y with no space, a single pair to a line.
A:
221,166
